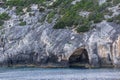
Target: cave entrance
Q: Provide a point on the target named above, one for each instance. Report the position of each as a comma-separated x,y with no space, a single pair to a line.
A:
79,59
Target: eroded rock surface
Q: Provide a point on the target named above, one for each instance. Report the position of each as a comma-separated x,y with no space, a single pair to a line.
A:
37,43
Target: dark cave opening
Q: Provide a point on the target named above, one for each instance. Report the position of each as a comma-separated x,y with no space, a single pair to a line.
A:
79,59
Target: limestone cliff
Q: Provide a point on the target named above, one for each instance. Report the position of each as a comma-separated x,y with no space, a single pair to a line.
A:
38,43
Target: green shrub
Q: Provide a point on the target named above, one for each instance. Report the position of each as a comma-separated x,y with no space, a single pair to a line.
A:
50,16
96,17
59,25
15,3
83,29
57,3
23,3
31,14
19,10
110,20
4,16
117,19
1,22
22,23
108,0
1,27
70,14
41,9
67,20
116,2
20,4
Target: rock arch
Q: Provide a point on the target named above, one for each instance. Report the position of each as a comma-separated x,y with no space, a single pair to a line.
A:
79,58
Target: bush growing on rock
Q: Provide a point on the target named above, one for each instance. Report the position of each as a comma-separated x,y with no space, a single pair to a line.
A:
83,28
59,25
50,16
1,22
24,3
117,19
116,1
20,4
4,16
68,14
22,23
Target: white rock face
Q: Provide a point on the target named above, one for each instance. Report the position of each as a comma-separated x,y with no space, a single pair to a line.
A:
101,2
2,10
75,1
51,2
34,7
115,11
84,13
102,43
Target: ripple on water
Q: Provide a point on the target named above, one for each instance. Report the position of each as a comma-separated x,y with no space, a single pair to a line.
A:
58,74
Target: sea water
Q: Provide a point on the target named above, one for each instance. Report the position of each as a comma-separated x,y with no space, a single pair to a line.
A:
58,74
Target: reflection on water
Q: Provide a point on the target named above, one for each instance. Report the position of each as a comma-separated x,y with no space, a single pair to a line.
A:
58,74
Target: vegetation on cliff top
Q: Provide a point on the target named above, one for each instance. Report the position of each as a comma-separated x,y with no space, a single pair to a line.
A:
3,17
69,14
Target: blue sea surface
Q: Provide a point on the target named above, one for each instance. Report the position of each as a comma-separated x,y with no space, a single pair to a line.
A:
58,74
